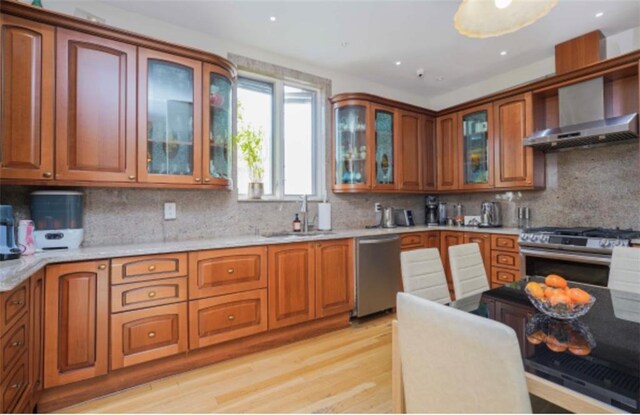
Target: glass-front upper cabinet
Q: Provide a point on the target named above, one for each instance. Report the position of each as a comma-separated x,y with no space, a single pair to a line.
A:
218,125
477,147
384,139
352,146
169,119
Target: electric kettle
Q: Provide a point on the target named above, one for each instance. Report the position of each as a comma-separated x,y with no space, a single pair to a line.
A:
490,216
388,218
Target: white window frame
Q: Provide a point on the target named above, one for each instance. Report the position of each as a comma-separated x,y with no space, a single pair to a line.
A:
277,149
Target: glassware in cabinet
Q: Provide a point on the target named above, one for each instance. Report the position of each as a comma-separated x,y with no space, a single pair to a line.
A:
476,148
351,147
218,125
385,147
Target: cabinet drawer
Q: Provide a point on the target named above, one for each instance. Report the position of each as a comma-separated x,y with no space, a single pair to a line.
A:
504,276
412,241
14,342
226,271
505,259
148,294
15,384
219,319
144,335
504,242
12,305
148,267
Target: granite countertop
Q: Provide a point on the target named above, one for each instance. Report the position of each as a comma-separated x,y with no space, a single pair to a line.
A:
13,272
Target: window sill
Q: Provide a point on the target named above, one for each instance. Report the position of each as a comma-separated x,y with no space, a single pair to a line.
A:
267,199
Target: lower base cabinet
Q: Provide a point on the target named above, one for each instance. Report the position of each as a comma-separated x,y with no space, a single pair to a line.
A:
334,277
15,384
218,319
143,335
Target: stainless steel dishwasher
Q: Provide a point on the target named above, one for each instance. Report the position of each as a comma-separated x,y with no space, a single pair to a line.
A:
377,273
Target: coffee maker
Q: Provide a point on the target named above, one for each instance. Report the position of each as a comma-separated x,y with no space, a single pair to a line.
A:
431,209
8,248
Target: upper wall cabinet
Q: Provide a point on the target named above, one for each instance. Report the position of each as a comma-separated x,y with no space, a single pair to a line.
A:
26,103
447,157
95,108
381,145
169,118
476,147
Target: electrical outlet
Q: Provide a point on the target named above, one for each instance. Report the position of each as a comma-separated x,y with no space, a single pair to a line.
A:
170,211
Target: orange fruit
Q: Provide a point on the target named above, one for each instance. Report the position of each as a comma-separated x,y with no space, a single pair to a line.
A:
579,296
559,297
554,280
535,290
549,292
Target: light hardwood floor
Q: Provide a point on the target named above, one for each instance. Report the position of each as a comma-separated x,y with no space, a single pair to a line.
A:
345,371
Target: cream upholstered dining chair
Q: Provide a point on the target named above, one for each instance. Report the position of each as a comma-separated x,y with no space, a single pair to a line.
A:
467,270
624,274
449,361
423,275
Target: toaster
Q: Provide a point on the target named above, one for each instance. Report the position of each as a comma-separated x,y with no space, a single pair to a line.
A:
404,217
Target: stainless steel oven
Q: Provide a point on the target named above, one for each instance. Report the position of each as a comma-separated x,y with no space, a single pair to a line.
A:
582,267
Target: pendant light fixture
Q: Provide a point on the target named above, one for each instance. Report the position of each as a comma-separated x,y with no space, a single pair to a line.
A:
489,18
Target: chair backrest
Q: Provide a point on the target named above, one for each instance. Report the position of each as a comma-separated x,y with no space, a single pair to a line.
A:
467,270
423,275
625,269
457,362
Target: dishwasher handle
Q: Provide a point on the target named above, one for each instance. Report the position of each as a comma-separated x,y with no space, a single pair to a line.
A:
373,241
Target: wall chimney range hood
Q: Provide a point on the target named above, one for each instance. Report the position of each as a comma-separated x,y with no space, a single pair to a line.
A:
583,122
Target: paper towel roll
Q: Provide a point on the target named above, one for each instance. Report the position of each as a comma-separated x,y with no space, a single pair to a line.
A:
324,216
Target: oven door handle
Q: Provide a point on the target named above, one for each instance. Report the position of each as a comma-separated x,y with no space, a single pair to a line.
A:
588,259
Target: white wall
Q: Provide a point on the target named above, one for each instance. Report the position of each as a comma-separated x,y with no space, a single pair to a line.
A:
180,35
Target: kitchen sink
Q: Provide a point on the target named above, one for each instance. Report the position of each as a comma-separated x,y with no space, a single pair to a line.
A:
296,234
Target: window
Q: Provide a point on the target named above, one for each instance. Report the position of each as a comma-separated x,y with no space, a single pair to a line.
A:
289,115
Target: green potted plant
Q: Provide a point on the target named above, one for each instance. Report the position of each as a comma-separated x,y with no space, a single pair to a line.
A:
249,140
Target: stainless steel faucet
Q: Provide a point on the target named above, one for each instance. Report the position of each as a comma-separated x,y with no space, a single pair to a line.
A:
304,209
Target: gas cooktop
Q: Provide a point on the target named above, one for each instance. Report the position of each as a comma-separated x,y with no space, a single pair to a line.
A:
594,238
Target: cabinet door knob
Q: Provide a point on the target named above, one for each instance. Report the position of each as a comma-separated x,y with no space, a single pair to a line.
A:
132,177
152,268
151,294
17,344
231,317
207,179
102,266
151,334
47,174
16,385
17,302
198,179
230,271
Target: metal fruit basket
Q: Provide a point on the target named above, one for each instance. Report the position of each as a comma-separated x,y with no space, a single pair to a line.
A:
561,311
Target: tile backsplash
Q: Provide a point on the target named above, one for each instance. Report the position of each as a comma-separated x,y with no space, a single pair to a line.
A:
592,187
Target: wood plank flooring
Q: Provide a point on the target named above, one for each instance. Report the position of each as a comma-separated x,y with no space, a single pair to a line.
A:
347,371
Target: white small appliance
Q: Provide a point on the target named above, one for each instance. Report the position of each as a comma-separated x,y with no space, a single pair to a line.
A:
57,216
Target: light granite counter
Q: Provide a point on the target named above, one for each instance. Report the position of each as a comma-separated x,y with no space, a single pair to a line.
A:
13,272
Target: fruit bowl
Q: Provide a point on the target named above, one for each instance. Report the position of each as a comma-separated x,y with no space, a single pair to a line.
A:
560,335
561,311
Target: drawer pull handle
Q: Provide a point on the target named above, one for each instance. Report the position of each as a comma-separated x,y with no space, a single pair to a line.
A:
17,344
231,317
504,260
198,179
132,177
151,294
152,268
207,180
17,302
16,385
47,174
151,334
230,271
102,266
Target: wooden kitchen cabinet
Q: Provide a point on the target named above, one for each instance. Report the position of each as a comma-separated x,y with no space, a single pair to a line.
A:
484,242
516,165
475,148
14,343
225,271
428,153
95,108
504,242
134,296
412,150
516,317
76,322
352,146
27,99
433,239
143,335
334,277
219,319
36,336
148,268
413,240
505,260
386,160
291,284
447,239
13,304
447,152
169,118
14,385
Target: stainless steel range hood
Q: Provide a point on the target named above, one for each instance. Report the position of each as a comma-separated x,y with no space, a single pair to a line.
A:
582,121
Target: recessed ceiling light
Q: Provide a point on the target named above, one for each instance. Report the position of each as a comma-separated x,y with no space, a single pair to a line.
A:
398,63
502,4
272,18
503,53
599,14
440,78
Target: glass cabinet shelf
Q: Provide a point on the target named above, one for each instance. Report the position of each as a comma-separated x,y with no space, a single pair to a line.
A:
218,147
384,137
475,156
351,145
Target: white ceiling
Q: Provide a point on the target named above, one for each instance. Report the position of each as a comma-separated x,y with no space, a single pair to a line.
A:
420,34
